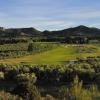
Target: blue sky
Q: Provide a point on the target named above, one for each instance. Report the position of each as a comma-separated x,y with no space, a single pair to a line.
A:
49,14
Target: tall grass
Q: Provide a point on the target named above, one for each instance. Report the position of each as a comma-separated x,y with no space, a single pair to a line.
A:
77,92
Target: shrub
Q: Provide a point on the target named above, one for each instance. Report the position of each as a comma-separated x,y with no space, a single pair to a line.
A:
26,87
1,76
77,92
8,96
24,78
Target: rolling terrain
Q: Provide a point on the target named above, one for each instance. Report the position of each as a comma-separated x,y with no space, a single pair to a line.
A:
52,61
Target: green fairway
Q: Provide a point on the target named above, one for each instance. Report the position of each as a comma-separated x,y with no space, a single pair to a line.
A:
57,55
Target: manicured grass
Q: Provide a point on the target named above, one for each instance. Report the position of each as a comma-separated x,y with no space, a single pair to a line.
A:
58,55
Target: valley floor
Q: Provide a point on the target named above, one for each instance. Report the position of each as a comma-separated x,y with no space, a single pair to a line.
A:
57,55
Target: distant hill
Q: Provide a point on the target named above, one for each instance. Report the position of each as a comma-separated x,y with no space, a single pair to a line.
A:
32,32
18,32
75,31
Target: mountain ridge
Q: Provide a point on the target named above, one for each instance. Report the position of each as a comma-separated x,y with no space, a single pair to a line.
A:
73,31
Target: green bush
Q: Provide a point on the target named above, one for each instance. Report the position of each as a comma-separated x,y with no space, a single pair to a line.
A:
2,76
24,78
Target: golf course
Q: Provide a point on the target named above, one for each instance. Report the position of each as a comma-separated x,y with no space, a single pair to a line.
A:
57,55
